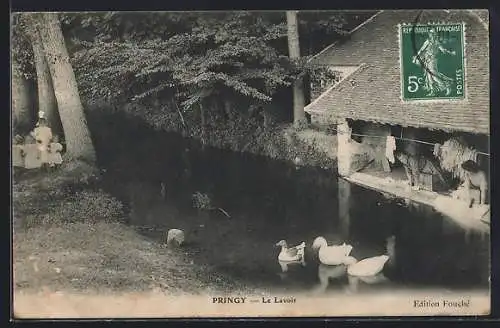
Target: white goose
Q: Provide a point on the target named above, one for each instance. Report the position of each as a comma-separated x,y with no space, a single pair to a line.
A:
367,267
373,265
331,255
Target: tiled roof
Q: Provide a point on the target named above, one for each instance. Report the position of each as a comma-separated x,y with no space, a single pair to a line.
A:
372,93
483,15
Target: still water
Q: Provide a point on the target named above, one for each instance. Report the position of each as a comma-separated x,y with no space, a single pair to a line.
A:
269,201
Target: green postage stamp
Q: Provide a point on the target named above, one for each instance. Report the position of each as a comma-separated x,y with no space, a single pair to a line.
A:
432,61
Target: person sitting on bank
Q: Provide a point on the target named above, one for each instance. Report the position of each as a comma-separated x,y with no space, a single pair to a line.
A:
475,178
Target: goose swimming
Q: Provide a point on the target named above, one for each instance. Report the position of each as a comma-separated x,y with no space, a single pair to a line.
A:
331,255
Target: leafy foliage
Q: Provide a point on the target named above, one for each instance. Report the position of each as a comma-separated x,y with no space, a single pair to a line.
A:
318,29
201,201
228,54
194,56
185,60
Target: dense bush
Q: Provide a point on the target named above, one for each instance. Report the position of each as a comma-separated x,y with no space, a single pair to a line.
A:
242,133
89,205
202,201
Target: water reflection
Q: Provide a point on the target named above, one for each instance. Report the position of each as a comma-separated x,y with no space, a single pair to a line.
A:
355,282
371,272
344,196
326,273
338,276
287,265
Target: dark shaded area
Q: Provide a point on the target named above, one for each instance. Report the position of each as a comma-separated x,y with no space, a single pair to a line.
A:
272,200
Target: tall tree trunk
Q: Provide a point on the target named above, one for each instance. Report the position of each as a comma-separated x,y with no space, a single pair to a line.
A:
299,118
46,98
21,102
77,135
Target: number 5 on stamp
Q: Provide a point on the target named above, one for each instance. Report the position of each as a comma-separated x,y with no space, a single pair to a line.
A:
432,61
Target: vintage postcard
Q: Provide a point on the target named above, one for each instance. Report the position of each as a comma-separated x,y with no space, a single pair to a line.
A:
250,164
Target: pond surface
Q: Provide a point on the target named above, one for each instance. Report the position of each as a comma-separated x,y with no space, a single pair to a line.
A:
269,200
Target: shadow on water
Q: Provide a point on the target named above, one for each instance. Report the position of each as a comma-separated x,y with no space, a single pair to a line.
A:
271,200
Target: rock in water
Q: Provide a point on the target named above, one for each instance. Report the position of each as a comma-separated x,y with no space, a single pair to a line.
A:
175,236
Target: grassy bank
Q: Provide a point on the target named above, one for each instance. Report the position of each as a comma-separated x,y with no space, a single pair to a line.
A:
70,236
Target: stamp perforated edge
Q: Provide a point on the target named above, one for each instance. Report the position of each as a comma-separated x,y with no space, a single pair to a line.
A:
464,66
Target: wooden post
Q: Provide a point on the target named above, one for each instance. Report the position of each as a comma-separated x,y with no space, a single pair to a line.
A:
343,147
344,196
377,145
384,160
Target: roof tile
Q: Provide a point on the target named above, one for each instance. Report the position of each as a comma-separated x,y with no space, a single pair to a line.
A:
373,93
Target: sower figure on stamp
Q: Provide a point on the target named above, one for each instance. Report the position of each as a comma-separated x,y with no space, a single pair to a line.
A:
474,179
427,57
